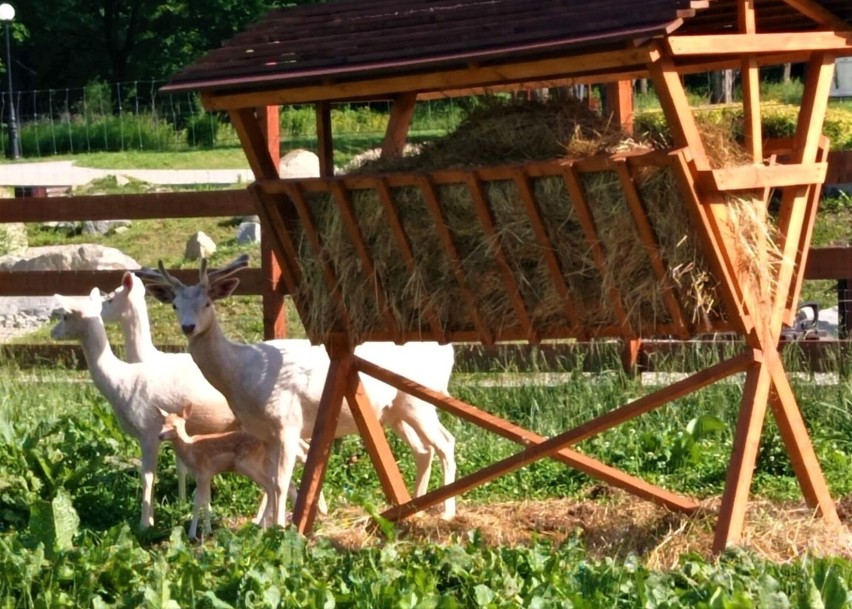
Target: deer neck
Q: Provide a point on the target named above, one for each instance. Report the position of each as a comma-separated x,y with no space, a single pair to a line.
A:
105,368
136,328
215,356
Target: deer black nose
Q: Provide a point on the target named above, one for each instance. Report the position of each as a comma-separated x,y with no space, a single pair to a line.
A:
188,328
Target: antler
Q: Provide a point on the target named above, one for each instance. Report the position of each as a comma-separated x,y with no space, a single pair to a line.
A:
226,271
160,277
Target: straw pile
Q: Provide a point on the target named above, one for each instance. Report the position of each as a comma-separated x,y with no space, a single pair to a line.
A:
498,134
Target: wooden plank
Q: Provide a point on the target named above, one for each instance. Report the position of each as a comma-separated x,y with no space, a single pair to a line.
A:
442,80
253,140
375,442
590,232
619,104
405,250
548,251
315,241
753,177
80,283
501,258
521,436
556,443
399,122
652,247
817,12
325,139
794,432
712,245
207,204
791,215
470,301
274,308
750,78
347,214
829,263
742,44
305,510
673,100
743,456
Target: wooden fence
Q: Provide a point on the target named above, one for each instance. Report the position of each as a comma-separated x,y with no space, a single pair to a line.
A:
834,263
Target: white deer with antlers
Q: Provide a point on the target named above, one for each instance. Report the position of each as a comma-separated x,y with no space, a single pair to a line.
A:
274,387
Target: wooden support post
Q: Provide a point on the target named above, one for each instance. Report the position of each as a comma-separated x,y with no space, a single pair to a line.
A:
325,428
399,122
751,87
274,307
325,141
619,104
743,457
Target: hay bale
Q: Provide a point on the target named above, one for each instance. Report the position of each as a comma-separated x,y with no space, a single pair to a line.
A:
499,134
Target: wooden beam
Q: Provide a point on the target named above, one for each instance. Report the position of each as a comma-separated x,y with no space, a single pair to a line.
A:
274,308
325,140
206,204
743,44
818,13
743,457
399,122
325,429
754,177
253,139
521,436
750,77
619,104
444,80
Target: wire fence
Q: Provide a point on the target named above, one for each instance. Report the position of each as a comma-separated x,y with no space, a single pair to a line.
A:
137,116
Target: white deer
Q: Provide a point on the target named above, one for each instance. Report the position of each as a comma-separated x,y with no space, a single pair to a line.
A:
126,306
274,387
134,390
209,454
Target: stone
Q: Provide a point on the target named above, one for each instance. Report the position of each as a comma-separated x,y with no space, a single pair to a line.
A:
199,246
77,257
248,232
299,163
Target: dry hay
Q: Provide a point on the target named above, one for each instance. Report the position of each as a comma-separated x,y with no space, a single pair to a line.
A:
501,134
617,525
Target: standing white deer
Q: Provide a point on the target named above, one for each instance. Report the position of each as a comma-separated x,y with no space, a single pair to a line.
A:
274,387
126,306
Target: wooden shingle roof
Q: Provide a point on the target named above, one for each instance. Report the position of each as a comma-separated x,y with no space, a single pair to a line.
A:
351,40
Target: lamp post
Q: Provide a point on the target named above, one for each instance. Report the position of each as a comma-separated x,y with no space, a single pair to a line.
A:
7,15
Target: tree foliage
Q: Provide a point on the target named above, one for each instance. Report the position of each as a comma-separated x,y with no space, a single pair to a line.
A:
67,43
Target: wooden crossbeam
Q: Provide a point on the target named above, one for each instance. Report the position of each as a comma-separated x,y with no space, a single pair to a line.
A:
501,258
553,445
315,241
548,251
754,177
519,435
470,301
819,13
743,44
350,222
652,247
586,219
405,250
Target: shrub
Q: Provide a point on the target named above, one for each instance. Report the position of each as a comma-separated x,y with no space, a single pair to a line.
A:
202,131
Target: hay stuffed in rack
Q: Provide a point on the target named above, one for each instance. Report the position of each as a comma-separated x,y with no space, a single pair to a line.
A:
606,267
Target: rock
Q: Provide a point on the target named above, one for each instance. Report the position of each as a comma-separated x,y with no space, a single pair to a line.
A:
79,257
248,232
299,163
13,238
200,245
103,227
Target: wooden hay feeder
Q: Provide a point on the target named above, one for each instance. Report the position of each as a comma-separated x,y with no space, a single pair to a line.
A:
362,254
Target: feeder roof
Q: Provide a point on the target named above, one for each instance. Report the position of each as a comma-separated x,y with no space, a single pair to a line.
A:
327,46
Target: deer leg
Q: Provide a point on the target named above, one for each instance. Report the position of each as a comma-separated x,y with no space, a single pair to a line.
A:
150,457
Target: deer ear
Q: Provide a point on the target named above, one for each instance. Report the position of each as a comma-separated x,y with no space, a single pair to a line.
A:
163,293
163,412
223,288
127,280
187,411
